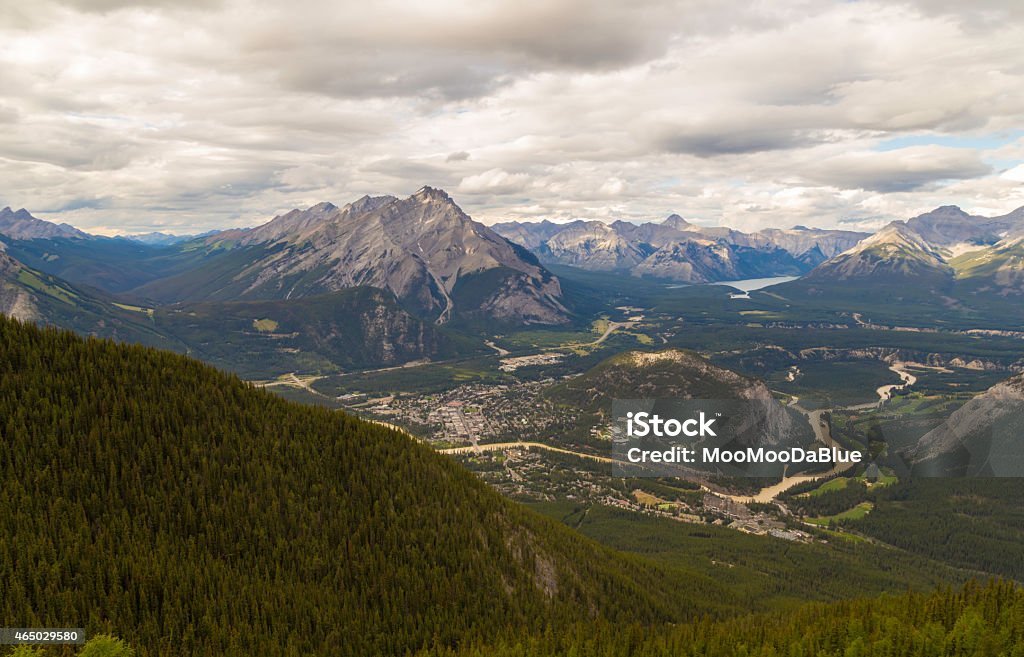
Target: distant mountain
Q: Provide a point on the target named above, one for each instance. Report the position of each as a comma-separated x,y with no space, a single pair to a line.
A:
812,246
162,239
592,245
678,223
532,234
970,264
984,437
424,249
895,253
707,261
21,225
950,226
678,250
995,270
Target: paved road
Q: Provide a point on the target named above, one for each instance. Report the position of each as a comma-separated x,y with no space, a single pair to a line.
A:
500,447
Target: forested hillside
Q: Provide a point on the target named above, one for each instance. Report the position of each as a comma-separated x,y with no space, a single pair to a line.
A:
150,496
969,523
976,621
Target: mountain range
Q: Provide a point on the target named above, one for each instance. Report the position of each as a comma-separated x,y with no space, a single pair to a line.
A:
21,225
376,282
679,251
415,278
424,249
946,256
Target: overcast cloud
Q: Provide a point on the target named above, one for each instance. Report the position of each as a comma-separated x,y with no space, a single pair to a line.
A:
186,115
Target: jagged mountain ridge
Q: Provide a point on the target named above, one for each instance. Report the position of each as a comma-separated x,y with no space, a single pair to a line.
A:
158,238
424,249
21,225
678,250
949,226
593,245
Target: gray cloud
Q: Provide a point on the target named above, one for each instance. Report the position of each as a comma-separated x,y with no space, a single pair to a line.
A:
225,112
754,139
898,171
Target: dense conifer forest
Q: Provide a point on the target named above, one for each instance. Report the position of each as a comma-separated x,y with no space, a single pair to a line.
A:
977,621
148,496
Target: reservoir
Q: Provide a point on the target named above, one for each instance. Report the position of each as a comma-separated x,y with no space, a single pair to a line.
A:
751,284
746,285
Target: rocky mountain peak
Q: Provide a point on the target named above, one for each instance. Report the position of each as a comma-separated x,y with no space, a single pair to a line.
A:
428,193
951,210
677,222
422,248
895,232
21,225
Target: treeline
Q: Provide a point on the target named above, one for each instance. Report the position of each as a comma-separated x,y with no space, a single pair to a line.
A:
146,495
975,621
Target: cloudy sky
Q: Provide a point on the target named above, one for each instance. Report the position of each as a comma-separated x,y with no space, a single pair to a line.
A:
184,115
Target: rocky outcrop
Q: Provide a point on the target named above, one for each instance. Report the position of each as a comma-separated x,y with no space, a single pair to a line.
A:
15,300
984,437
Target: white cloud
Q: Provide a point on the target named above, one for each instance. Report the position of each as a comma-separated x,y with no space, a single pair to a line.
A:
191,115
494,181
